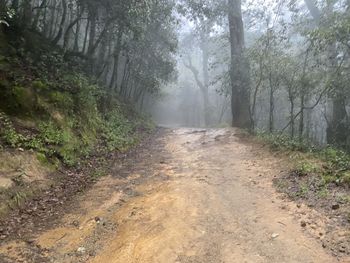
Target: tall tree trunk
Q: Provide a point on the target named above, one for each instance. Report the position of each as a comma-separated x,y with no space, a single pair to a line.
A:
118,49
271,110
338,130
205,64
92,34
77,33
2,9
69,28
302,110
63,20
38,14
239,72
2,16
86,36
292,124
52,20
27,14
45,22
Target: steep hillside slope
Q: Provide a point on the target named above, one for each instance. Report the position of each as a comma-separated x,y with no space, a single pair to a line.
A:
52,117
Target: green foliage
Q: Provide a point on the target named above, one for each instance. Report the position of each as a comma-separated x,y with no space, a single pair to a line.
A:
98,173
303,190
337,159
18,198
306,167
24,97
116,132
52,108
335,163
8,134
63,100
284,142
50,134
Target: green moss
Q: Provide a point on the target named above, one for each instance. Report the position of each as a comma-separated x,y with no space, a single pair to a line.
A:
40,85
42,159
346,178
69,154
65,109
24,97
62,100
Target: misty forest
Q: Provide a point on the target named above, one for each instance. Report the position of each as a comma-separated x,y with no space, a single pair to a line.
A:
174,131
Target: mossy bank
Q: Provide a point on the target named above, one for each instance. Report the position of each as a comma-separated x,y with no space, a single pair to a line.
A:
53,116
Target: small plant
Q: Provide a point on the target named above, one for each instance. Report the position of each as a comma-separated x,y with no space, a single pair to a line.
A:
8,133
98,173
305,168
323,193
303,190
50,133
18,198
335,163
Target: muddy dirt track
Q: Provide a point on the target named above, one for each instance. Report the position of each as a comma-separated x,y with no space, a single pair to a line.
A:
193,196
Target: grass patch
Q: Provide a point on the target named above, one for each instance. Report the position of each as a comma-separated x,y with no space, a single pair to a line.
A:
331,164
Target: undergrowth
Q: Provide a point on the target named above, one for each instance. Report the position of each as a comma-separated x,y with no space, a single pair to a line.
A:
48,105
332,165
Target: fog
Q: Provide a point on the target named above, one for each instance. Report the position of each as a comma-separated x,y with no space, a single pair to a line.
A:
181,103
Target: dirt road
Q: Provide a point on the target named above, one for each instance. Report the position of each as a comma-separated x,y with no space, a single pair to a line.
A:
194,196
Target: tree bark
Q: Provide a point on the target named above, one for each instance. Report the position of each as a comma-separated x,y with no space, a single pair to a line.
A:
63,20
92,34
205,70
271,110
202,87
86,36
37,15
70,27
239,72
301,120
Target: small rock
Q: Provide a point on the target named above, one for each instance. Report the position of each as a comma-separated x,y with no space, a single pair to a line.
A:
335,206
275,235
75,223
21,149
81,250
303,224
298,205
342,249
97,219
30,241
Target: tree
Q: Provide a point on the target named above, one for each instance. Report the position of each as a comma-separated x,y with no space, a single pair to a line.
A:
239,72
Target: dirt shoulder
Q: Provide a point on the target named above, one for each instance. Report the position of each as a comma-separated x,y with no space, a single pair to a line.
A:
58,192
321,206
